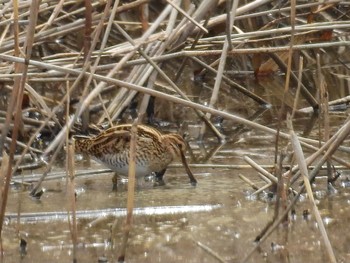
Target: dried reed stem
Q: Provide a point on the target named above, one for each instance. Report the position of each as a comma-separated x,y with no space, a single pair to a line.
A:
269,177
300,75
16,101
235,85
304,91
72,219
287,79
280,197
343,100
337,140
299,155
187,16
220,72
258,168
3,171
173,85
321,85
328,148
70,179
211,252
261,189
131,191
248,181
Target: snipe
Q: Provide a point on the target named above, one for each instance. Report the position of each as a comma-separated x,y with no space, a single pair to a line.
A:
154,150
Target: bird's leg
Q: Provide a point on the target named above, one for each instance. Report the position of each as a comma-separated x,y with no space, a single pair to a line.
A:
115,182
188,170
159,177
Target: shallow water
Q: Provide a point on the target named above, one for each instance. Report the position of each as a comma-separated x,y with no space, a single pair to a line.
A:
218,214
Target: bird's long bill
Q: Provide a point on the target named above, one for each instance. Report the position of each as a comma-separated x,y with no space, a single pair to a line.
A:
189,172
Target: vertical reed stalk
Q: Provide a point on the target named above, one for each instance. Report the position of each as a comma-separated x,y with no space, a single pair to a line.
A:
72,220
71,189
222,64
321,85
15,105
3,171
300,76
87,45
289,69
13,99
131,191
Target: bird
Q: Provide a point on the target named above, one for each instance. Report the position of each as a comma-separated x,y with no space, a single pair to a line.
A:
154,150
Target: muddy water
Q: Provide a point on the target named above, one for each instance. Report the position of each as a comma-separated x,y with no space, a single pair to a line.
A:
218,214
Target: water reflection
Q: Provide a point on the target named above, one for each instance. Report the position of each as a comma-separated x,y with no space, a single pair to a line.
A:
116,212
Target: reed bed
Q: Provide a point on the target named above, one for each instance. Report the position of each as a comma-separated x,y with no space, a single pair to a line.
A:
70,66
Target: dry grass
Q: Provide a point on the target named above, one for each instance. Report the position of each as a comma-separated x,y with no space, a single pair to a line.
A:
93,58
